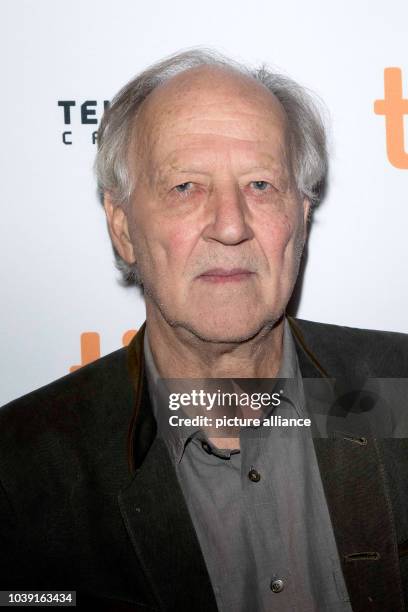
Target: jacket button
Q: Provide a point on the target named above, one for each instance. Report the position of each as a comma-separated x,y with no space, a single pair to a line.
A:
277,585
254,475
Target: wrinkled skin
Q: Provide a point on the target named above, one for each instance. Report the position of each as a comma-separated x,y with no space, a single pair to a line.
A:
215,223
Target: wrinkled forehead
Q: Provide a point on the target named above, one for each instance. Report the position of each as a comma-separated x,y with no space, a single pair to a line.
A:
207,103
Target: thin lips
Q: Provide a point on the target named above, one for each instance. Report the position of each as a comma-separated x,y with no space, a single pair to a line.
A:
223,272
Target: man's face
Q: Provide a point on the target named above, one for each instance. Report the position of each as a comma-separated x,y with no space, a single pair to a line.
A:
216,223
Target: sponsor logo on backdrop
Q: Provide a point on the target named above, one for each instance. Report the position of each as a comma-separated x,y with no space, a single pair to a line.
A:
91,347
87,112
394,107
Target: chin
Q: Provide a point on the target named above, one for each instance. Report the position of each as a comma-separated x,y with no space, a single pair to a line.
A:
227,332
228,323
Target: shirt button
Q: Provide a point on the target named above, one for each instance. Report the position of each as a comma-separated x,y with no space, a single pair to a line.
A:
206,447
254,475
277,585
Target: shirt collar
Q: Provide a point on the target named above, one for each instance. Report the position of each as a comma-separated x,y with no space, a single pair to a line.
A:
177,438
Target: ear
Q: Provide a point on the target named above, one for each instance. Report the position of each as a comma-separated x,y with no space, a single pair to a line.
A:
118,228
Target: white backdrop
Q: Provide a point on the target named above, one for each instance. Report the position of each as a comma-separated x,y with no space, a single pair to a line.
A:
57,275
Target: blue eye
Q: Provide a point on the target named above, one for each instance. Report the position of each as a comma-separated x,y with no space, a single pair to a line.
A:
260,185
183,187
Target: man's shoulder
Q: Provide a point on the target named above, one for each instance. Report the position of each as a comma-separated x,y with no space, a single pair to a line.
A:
371,353
93,400
90,381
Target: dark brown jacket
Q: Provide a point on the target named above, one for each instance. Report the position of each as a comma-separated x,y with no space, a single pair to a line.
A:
89,499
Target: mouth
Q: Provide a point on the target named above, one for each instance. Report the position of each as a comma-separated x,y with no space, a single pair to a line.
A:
222,275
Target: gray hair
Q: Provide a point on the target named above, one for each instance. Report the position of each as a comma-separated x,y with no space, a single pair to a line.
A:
307,136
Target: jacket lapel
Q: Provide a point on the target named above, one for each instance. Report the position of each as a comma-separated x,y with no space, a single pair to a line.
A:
352,473
154,510
161,531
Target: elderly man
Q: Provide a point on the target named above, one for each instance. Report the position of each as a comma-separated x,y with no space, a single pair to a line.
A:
208,173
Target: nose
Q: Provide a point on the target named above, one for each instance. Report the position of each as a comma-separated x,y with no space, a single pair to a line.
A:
229,217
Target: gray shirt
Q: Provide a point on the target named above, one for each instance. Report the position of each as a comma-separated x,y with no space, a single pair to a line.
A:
260,512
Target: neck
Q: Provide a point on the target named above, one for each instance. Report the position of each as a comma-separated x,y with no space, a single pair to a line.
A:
178,353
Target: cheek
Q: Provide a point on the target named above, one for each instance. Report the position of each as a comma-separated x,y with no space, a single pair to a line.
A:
163,246
175,246
276,236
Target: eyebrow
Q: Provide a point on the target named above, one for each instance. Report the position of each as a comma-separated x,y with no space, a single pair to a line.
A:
265,162
162,174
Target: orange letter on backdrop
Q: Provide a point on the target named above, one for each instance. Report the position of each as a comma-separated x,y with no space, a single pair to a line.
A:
91,347
394,107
